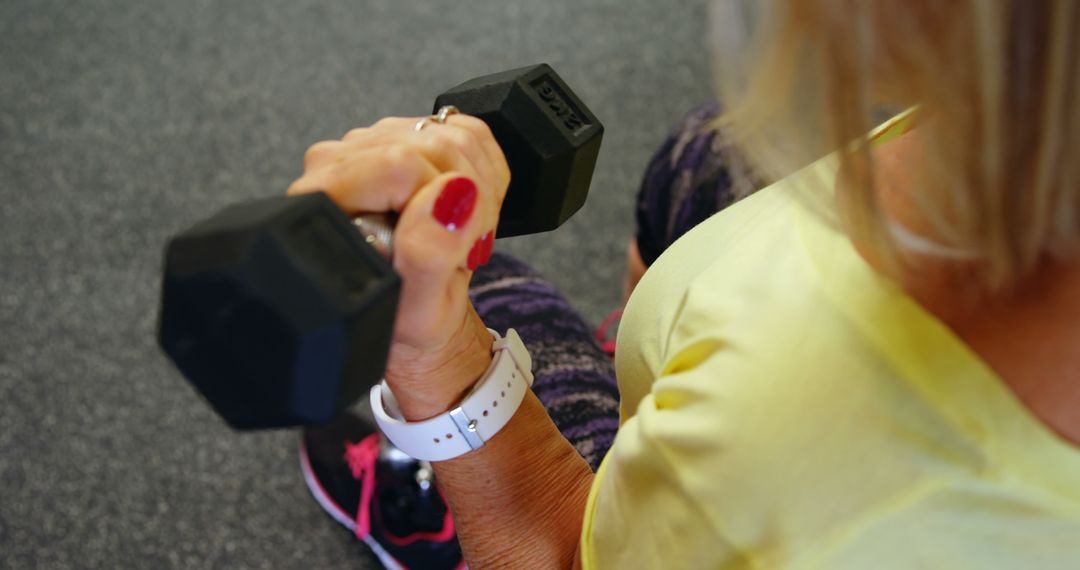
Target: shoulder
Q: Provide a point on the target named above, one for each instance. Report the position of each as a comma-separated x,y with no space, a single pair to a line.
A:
736,264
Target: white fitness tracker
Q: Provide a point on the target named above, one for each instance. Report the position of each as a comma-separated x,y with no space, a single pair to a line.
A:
488,407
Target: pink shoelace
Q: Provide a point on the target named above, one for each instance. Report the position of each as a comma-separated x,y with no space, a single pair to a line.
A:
361,458
608,345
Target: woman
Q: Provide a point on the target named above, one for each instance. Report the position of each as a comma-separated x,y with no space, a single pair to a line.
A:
874,362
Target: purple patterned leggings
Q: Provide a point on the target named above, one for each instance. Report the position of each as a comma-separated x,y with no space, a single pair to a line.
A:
693,175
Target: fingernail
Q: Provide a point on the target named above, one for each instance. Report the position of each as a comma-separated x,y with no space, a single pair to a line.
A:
455,203
481,251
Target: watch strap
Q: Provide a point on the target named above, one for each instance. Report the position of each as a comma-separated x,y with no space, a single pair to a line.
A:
485,410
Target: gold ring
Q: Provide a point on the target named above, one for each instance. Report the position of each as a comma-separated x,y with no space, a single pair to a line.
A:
419,126
439,117
444,112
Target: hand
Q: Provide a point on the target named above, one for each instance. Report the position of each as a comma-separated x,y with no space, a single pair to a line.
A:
447,182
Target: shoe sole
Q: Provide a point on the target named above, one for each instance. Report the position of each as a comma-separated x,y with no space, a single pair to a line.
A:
339,515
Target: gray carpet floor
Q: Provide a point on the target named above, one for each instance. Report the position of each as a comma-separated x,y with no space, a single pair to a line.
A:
124,122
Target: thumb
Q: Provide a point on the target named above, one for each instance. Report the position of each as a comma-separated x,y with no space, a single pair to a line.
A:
443,233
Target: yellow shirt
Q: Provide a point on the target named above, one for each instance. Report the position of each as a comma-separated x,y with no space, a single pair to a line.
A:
785,406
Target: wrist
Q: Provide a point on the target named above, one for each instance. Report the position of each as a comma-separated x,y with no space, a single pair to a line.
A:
490,404
429,383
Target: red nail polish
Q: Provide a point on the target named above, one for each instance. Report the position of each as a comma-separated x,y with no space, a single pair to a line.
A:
481,251
474,255
455,203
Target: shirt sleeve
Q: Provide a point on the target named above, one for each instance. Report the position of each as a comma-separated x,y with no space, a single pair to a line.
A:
652,504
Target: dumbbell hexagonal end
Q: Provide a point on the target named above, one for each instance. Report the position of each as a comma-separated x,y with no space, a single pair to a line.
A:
273,323
550,138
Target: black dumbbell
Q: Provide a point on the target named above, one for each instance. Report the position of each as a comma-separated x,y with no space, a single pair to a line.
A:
281,313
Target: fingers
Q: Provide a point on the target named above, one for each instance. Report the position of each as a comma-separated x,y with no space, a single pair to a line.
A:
443,234
468,135
496,159
445,230
442,143
447,181
377,179
379,167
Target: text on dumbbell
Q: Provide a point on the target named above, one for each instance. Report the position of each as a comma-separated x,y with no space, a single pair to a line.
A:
559,105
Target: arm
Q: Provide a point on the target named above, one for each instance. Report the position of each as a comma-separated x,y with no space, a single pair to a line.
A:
519,500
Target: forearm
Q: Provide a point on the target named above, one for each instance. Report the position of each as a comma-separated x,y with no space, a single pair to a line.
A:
519,501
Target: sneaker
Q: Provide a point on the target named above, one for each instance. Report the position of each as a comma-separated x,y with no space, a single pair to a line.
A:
386,498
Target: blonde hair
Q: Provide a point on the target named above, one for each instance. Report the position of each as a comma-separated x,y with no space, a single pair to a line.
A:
996,84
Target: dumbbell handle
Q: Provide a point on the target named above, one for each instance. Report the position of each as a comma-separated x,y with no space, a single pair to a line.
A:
378,231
